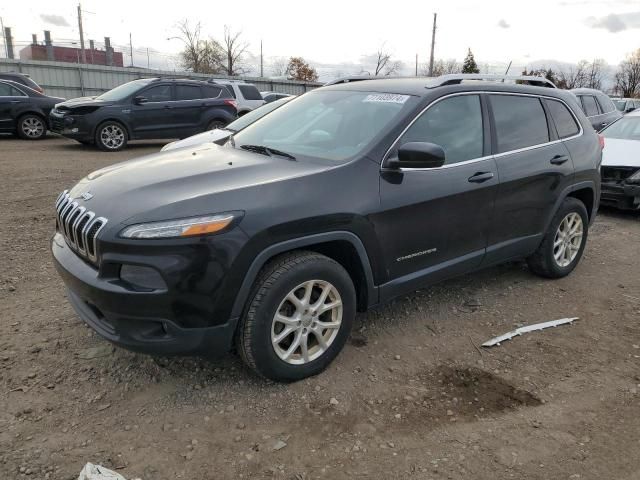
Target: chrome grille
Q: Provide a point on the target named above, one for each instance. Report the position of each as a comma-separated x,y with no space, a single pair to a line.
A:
79,226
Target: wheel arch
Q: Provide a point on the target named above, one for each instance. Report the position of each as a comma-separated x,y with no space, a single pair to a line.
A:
583,191
344,247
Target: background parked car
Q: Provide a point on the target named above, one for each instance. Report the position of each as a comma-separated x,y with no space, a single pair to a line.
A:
597,106
24,111
246,94
23,79
620,168
220,135
145,108
626,105
273,96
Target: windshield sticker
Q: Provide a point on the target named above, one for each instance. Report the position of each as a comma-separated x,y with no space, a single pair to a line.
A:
386,98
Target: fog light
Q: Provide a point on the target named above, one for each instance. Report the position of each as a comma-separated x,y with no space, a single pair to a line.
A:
142,278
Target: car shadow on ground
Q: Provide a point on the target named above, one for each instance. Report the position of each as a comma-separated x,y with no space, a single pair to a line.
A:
620,214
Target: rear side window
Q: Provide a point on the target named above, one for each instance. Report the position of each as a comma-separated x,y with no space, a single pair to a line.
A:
590,106
188,92
565,122
5,90
214,92
159,93
453,123
249,92
520,122
606,105
231,91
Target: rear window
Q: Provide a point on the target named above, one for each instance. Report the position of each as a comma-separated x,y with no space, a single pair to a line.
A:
520,122
214,92
562,117
249,92
188,92
590,106
606,105
231,91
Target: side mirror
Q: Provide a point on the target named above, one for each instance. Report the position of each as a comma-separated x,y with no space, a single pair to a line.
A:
140,100
418,155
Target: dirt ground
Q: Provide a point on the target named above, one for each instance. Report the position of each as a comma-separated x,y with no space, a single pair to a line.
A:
411,396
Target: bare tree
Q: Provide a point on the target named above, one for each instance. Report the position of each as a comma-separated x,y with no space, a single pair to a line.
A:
199,55
628,76
594,74
574,76
279,66
442,67
385,65
233,48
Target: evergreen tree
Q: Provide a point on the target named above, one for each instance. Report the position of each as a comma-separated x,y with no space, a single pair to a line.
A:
469,65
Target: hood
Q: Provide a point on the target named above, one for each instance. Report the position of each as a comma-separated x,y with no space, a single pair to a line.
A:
185,182
621,153
82,102
204,137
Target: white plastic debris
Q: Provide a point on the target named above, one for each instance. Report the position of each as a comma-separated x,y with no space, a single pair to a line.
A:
98,472
527,329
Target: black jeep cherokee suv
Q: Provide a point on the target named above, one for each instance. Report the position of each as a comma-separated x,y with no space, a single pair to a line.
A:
144,109
340,200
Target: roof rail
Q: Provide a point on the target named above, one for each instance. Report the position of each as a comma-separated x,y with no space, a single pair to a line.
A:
455,79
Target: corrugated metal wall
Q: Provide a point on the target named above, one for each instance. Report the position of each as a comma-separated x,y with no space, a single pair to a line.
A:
69,80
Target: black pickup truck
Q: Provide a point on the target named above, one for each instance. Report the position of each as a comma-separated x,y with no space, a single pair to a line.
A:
144,109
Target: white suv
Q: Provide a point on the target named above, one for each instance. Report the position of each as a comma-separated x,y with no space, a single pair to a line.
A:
246,94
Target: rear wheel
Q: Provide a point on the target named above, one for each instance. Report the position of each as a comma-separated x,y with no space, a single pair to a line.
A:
299,318
564,242
32,127
215,124
111,136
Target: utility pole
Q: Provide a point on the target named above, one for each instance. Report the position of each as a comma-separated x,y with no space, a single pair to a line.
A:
261,61
416,64
131,48
84,55
4,38
433,44
148,57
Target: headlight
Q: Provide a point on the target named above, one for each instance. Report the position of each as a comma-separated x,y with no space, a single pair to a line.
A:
183,227
635,178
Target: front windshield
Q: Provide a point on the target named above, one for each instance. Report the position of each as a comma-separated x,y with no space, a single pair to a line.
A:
252,116
627,128
620,104
327,124
123,91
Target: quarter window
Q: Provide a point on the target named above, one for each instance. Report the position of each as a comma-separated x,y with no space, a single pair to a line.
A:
590,106
606,105
188,92
249,92
159,93
565,122
520,122
455,124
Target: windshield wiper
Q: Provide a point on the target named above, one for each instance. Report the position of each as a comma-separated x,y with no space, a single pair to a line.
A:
267,151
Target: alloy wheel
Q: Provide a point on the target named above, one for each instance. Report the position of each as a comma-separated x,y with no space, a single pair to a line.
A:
112,136
568,239
33,127
306,322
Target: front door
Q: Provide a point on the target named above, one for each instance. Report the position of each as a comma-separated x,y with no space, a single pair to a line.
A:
155,117
434,222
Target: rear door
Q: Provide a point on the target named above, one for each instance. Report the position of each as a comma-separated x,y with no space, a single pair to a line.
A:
155,117
11,99
188,107
592,111
434,222
534,168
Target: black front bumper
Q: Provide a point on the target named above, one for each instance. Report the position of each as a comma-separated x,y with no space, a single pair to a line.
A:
106,307
620,195
74,127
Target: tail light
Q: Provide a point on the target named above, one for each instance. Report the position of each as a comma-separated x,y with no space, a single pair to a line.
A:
601,140
233,103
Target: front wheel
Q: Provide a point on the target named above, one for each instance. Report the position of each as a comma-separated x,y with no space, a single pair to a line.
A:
32,127
564,243
111,136
299,317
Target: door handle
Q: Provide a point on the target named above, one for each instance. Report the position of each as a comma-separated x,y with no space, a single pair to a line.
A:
16,101
480,177
559,159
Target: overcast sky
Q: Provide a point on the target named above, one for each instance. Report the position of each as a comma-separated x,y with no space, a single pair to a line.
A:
343,31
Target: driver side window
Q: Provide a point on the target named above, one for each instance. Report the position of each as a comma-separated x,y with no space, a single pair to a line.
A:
159,93
455,124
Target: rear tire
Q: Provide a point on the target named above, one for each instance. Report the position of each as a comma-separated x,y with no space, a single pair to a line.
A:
111,136
213,124
564,242
298,318
32,127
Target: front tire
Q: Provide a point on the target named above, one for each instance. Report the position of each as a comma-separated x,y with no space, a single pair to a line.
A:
564,242
32,127
299,317
111,136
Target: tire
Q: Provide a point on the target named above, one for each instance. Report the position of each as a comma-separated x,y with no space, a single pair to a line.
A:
32,127
287,275
111,136
571,217
213,124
